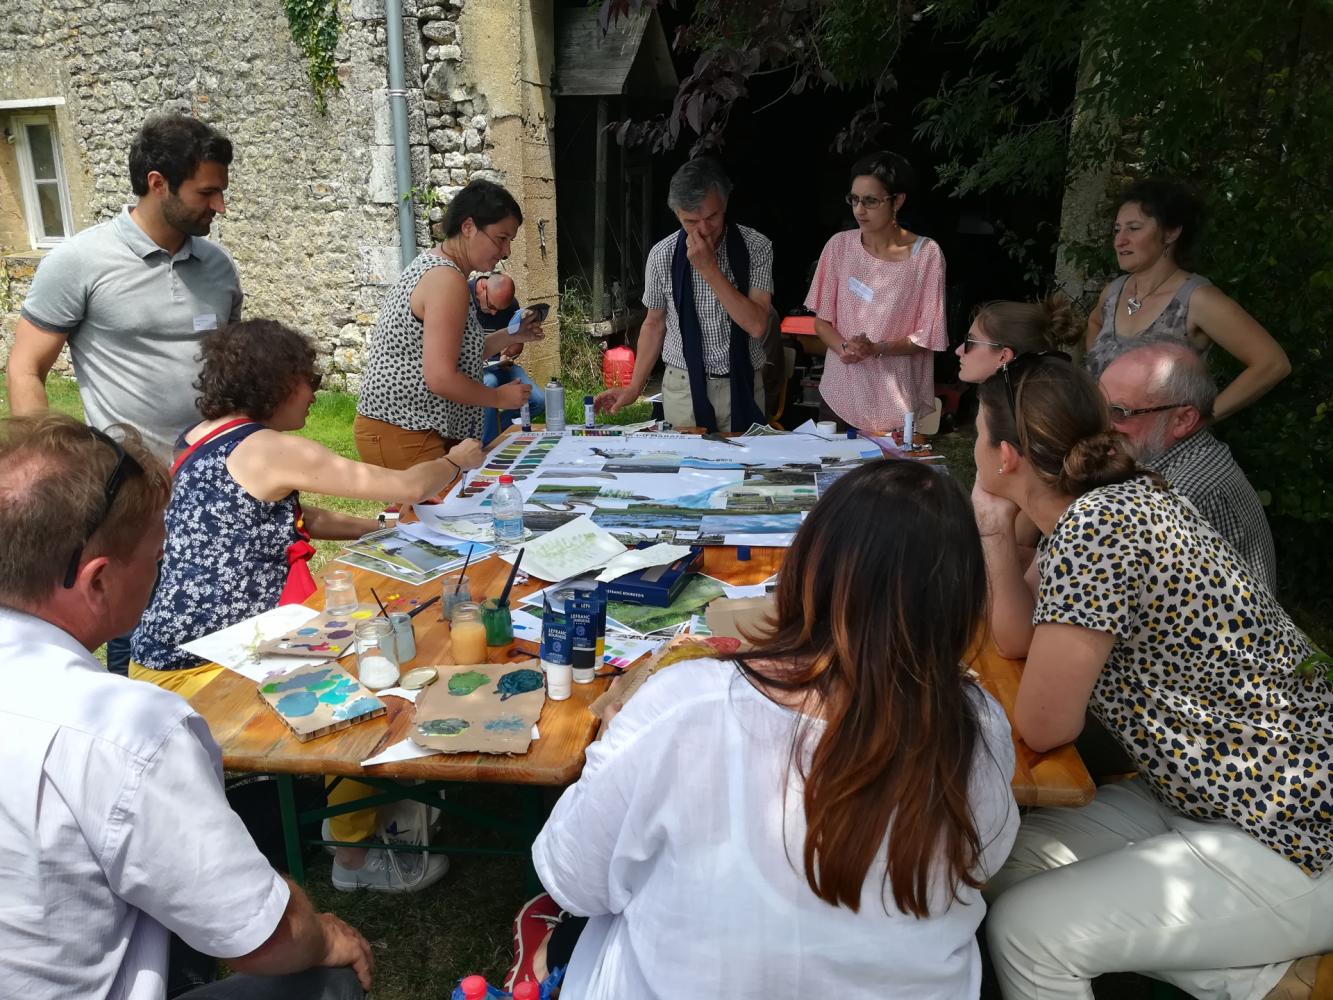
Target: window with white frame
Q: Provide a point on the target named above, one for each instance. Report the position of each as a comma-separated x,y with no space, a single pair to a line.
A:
45,192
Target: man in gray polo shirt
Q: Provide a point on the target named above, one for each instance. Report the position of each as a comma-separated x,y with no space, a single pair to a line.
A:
135,295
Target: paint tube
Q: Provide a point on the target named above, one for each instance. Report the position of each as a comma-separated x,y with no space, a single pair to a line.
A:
555,652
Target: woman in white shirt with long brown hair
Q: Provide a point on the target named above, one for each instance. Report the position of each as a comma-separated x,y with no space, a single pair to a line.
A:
816,816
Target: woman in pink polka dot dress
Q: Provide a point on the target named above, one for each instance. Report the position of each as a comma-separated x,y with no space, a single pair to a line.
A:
878,299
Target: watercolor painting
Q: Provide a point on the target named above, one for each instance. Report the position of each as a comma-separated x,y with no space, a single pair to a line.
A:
325,637
410,553
319,699
646,619
481,709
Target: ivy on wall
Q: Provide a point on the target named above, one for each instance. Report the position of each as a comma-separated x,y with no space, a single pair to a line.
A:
315,27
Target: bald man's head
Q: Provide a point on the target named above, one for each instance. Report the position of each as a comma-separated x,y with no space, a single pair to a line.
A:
496,292
1170,383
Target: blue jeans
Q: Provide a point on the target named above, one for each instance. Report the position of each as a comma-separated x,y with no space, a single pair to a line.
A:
495,376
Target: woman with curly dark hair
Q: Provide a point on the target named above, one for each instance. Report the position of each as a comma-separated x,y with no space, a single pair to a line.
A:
1161,297
237,535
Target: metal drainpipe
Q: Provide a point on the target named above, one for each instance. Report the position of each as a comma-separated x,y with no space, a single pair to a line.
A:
402,156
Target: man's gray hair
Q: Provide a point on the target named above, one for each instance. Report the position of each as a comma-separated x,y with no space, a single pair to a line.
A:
1177,374
692,182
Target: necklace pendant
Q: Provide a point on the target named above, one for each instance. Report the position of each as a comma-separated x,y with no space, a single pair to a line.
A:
1133,305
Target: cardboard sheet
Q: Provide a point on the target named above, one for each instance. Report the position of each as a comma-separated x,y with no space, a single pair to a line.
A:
481,708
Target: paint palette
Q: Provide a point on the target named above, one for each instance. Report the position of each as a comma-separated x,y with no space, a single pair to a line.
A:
486,708
326,637
519,458
318,699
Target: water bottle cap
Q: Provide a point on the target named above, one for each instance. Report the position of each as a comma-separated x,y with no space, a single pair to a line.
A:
506,480
527,991
474,988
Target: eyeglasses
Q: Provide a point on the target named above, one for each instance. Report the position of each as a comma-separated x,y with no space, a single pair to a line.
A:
870,202
1119,412
1013,377
125,466
967,344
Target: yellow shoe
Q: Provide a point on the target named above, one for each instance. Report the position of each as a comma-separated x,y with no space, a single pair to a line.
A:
1308,978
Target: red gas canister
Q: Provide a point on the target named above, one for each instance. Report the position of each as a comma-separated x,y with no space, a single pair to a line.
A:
617,367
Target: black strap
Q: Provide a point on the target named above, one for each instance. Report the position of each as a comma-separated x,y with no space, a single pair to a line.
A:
744,412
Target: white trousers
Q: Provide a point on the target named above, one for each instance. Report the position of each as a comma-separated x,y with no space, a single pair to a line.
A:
1127,885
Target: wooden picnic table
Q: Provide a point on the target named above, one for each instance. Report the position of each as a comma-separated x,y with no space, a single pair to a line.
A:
254,739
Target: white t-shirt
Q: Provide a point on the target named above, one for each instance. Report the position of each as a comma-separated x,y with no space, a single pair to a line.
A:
672,841
113,829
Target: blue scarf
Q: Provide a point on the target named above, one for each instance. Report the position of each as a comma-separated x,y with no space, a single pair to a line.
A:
744,412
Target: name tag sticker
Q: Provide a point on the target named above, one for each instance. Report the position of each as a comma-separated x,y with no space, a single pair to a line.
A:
861,290
205,321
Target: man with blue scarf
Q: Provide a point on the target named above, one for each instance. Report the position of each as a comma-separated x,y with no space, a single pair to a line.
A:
708,290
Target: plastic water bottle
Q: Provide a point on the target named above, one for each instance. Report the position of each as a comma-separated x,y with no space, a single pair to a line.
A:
555,406
507,513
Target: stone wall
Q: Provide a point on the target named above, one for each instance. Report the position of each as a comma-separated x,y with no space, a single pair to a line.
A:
312,207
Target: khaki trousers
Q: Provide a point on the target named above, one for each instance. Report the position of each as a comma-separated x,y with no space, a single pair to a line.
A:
678,404
392,447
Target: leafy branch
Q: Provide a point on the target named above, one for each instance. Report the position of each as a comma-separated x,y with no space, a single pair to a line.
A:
315,26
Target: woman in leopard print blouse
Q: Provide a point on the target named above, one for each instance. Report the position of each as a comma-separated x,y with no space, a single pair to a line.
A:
1213,867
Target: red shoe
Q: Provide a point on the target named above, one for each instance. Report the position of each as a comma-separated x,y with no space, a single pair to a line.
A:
533,922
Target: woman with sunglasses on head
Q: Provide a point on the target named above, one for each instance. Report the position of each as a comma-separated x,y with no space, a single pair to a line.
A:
1003,331
1156,236
1213,867
878,299
815,816
422,390
237,534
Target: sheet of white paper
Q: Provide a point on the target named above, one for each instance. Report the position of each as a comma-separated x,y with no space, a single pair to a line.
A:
569,550
233,647
526,625
622,652
654,555
474,528
402,750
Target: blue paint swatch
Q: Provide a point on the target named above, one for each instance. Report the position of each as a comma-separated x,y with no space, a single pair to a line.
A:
518,682
359,707
506,724
297,704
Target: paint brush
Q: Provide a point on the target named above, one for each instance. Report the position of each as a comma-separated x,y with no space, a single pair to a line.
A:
383,610
463,574
513,572
422,607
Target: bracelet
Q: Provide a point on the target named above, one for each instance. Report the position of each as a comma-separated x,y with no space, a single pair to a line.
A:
458,469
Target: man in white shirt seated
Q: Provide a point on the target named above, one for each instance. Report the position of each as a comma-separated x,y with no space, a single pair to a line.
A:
115,834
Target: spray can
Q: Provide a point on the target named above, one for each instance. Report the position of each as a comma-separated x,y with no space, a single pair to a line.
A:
909,430
525,416
555,406
589,414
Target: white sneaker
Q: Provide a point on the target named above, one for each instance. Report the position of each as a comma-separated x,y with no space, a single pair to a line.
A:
392,871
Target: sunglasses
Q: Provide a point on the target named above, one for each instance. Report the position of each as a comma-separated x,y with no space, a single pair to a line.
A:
1013,377
124,467
1121,413
967,344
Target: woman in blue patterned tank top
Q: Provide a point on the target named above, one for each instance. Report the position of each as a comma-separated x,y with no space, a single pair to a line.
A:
235,525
